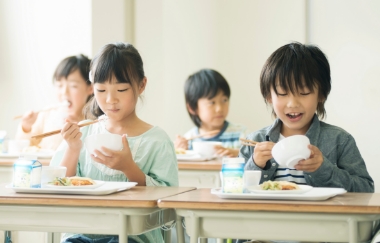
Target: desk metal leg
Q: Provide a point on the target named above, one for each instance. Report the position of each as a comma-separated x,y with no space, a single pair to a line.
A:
53,237
50,237
7,237
180,230
194,220
123,236
167,236
353,230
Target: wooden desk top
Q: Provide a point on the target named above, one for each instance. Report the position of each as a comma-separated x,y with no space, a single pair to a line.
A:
139,196
363,203
9,161
215,164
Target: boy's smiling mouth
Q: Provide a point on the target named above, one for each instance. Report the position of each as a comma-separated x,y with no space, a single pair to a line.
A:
294,115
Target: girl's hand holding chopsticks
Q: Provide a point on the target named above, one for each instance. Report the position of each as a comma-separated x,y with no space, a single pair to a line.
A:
71,133
47,134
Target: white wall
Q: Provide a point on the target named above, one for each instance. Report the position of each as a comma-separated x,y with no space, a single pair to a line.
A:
177,38
35,37
349,33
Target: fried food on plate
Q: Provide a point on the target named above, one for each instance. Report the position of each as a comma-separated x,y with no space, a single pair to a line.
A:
72,181
279,185
81,181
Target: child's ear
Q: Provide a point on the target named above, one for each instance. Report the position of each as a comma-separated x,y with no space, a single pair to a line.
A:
143,85
191,111
90,89
269,100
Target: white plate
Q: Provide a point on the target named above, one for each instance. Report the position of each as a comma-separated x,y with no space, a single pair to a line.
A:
46,154
190,155
107,188
96,185
315,194
302,189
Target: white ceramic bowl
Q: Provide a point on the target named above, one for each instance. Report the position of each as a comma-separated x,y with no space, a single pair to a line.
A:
289,151
205,148
49,173
16,146
110,141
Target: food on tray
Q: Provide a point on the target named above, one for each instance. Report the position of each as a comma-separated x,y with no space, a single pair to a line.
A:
31,149
279,185
180,151
72,181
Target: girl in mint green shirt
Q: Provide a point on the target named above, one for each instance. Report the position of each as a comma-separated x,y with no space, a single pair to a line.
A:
147,157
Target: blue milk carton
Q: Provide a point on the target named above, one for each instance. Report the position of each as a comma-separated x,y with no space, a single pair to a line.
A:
27,172
232,175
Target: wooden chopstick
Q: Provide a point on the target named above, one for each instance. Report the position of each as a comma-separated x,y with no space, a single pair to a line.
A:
248,142
210,133
47,134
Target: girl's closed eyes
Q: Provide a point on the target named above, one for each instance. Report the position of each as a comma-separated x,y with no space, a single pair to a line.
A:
119,87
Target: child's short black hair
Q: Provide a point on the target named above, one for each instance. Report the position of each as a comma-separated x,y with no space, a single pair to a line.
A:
293,66
205,83
72,63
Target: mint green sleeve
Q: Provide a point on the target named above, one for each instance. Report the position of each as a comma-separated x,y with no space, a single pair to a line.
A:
164,167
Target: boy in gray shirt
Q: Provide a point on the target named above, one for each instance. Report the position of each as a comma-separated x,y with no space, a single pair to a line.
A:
295,81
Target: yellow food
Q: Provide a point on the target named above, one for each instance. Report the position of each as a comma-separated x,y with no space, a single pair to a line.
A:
81,181
180,151
31,149
279,185
72,181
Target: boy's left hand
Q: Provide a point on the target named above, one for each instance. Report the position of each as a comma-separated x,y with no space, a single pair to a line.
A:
117,160
313,163
222,151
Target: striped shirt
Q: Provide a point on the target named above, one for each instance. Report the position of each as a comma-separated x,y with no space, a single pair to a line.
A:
287,174
229,135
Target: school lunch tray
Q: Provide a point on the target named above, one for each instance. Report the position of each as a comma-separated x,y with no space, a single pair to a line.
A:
107,188
315,194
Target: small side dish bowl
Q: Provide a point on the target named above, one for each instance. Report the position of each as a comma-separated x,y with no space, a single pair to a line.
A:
49,173
205,148
289,151
97,141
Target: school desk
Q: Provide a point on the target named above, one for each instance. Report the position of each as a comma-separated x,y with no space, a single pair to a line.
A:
200,174
344,218
124,213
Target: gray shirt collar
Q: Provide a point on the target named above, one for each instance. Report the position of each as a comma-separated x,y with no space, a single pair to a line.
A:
273,131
